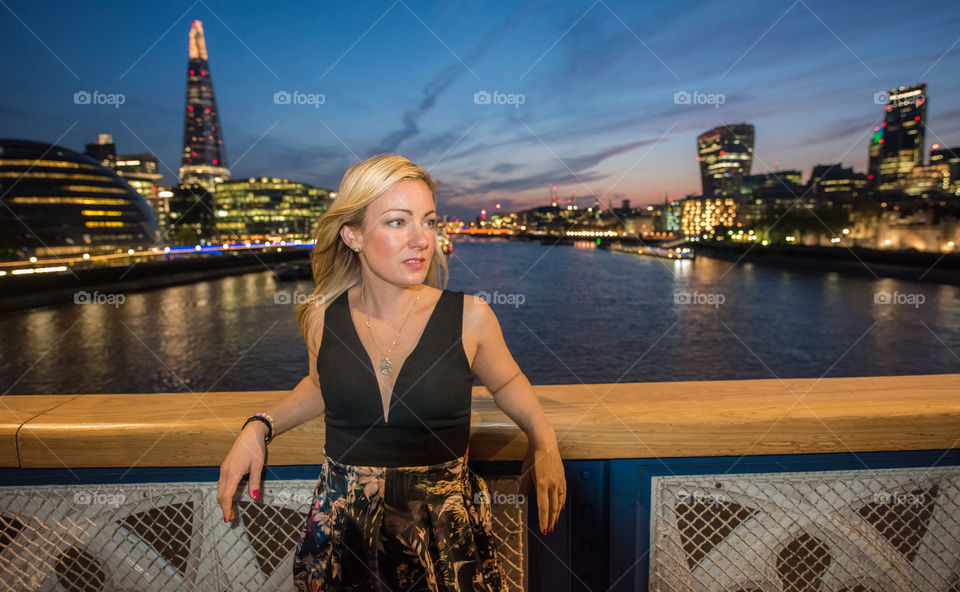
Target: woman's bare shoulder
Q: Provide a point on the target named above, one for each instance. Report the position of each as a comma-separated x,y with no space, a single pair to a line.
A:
473,315
477,314
314,329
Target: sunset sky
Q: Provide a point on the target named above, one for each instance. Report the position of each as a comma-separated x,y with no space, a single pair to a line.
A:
597,81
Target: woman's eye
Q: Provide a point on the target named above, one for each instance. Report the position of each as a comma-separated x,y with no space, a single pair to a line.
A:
395,220
431,223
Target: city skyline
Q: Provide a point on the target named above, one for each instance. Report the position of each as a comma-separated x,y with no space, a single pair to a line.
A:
579,96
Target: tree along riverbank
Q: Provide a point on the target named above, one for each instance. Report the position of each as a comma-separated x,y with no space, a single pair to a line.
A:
917,266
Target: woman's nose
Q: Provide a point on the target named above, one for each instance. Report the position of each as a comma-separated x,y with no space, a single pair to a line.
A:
419,237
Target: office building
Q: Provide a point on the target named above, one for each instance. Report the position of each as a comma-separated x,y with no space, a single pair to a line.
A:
834,182
726,155
951,158
263,208
704,215
898,141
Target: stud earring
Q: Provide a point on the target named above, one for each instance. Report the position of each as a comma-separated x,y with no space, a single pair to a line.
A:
356,249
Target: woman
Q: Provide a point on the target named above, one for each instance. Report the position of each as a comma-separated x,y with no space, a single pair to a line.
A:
396,505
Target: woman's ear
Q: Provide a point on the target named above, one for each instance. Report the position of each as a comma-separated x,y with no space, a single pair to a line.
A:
350,236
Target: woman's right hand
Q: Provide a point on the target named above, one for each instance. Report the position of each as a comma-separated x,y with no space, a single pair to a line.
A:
245,457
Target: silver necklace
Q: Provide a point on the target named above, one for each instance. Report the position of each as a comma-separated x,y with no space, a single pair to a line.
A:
385,364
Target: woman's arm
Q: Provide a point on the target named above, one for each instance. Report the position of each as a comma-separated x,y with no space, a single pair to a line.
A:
514,395
302,404
249,450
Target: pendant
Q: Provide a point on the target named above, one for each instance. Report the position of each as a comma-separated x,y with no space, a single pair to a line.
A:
385,366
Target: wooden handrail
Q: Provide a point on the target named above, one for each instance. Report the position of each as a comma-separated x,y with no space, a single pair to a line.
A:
592,421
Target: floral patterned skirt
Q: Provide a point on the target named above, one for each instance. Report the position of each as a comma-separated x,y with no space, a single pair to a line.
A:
399,528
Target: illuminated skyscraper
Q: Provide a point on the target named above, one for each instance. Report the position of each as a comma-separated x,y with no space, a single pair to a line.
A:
204,157
725,155
898,143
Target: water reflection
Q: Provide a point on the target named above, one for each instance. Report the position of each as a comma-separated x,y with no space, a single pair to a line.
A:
586,315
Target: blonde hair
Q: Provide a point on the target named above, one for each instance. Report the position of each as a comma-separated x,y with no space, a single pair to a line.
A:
335,266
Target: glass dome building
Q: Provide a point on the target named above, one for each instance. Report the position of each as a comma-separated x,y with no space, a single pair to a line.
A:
57,202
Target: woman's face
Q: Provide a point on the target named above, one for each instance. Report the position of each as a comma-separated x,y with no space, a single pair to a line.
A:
399,233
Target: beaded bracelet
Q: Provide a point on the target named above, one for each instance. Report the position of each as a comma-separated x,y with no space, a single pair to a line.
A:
266,419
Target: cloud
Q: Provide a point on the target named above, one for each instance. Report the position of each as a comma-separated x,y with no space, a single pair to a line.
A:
504,168
575,170
441,81
318,165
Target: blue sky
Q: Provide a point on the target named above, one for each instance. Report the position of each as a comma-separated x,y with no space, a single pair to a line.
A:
597,78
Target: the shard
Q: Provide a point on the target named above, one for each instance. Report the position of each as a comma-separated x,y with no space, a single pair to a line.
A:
204,156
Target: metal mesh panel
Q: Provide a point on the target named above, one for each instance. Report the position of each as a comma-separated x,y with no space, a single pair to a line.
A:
171,536
851,531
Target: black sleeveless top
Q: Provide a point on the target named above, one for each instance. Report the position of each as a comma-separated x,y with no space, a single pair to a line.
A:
429,418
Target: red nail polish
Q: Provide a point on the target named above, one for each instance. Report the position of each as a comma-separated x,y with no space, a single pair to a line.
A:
544,531
256,492
225,519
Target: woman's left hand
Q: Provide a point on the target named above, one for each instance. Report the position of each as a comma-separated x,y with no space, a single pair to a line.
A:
544,466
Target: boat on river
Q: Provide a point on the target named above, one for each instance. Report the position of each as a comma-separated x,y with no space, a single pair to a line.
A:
663,251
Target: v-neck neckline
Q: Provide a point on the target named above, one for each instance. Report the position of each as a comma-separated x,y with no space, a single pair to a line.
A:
369,363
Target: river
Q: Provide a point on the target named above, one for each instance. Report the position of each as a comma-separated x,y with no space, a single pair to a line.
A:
568,314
